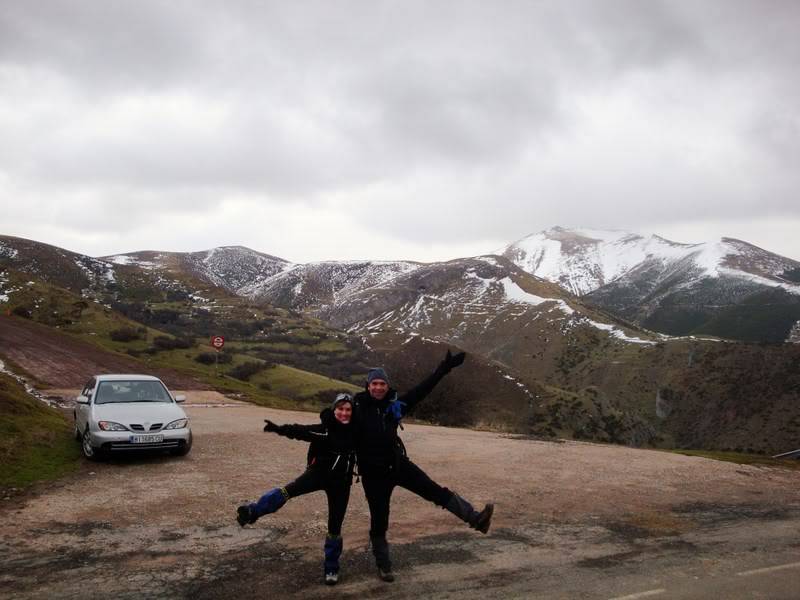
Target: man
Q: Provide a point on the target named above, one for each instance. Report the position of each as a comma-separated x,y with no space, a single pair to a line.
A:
383,463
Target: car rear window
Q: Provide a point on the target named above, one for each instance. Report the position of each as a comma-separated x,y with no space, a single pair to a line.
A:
131,391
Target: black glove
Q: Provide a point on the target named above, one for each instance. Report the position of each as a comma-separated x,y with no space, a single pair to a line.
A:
451,361
270,426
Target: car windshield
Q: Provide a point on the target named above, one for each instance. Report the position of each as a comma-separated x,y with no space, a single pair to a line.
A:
131,391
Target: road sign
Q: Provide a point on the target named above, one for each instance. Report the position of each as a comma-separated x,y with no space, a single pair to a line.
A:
218,342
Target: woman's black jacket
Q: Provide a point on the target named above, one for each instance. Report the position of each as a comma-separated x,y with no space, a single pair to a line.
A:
332,443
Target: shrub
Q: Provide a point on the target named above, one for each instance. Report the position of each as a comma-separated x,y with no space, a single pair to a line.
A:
125,334
246,370
162,342
164,316
22,311
209,358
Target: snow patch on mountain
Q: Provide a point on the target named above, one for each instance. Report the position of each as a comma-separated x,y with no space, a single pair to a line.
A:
7,251
615,332
95,270
126,259
3,290
516,294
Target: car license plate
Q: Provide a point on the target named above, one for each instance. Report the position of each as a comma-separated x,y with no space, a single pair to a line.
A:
146,439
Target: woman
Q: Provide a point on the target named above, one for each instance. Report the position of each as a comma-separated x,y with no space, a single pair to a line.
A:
331,459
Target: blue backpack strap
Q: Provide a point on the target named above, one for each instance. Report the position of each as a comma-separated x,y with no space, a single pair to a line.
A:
397,409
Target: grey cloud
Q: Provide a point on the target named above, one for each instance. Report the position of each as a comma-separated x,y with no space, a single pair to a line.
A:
447,114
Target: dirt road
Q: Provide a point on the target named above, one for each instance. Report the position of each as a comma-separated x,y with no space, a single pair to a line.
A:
573,520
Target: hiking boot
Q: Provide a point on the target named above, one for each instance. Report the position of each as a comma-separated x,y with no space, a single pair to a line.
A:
333,550
386,574
380,549
244,515
483,519
464,511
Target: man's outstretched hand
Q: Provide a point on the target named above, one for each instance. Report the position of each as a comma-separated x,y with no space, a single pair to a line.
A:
451,361
270,426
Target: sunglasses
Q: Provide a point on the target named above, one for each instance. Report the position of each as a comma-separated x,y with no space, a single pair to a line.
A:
343,398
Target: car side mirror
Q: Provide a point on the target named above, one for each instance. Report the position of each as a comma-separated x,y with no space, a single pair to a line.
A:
82,400
180,398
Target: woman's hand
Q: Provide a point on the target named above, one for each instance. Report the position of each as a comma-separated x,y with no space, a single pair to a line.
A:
270,426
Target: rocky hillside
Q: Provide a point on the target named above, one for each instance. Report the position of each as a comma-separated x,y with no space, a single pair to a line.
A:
727,288
325,284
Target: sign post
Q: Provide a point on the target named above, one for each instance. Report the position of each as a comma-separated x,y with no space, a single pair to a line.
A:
217,342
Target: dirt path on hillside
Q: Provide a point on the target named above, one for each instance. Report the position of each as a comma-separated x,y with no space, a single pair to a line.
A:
573,520
60,360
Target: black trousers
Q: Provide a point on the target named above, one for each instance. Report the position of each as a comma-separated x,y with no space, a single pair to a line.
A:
379,485
336,487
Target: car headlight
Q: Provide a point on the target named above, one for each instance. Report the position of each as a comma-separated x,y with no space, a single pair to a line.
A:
111,426
179,424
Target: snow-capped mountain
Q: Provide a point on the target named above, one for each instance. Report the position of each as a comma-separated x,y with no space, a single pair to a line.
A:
668,286
229,267
584,260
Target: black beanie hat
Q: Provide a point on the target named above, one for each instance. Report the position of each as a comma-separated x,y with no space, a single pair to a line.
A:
377,373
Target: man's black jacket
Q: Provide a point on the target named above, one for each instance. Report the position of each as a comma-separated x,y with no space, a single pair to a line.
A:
377,444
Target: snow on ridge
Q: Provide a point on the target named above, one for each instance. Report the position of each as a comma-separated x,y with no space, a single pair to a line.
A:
121,259
490,260
516,294
482,282
209,255
615,332
710,255
759,279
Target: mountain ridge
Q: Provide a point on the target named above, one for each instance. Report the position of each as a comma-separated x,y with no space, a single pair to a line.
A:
677,289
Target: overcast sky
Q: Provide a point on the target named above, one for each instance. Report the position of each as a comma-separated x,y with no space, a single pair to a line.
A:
388,130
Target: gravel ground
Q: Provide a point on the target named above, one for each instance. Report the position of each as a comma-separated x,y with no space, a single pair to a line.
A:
572,519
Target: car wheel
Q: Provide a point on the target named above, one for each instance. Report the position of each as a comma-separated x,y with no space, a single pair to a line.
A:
89,451
183,450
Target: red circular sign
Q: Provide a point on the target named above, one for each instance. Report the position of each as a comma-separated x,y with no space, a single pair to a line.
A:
218,341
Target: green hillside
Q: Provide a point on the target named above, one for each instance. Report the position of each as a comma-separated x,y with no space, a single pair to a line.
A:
36,441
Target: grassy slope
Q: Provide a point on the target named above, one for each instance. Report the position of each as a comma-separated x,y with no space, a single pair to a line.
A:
36,441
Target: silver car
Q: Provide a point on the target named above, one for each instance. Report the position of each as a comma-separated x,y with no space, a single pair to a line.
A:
116,413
